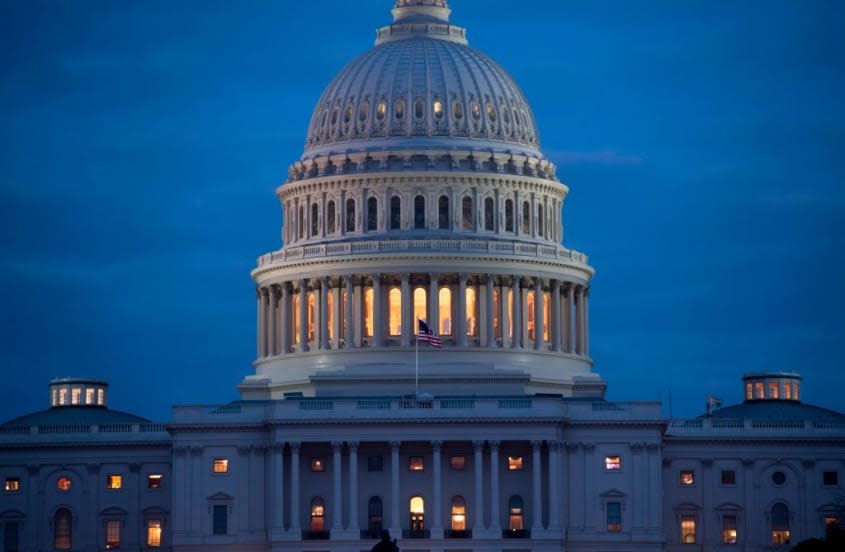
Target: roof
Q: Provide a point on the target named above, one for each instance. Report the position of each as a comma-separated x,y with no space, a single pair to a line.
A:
76,415
779,410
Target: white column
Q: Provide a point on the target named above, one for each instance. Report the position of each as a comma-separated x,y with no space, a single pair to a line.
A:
504,315
579,328
460,328
337,311
554,486
303,315
433,303
536,488
324,313
569,298
495,526
406,310
590,469
259,323
555,329
337,486
349,338
586,322
378,312
354,527
358,314
655,484
516,338
437,525
277,493
272,331
478,524
286,319
638,509
295,529
395,526
539,342
489,312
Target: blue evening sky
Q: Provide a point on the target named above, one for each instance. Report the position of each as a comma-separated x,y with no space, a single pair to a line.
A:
141,143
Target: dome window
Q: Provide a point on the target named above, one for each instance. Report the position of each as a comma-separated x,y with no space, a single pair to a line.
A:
438,109
347,113
516,117
399,109
457,109
364,110
418,109
381,109
475,109
334,116
506,117
491,112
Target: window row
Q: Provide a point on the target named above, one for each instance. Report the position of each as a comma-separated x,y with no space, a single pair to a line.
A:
687,478
778,521
772,390
63,522
64,483
302,222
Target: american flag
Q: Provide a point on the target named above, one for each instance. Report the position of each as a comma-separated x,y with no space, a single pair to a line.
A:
425,335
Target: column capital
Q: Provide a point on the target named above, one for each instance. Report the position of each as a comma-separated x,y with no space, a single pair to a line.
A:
337,445
536,444
436,445
573,446
477,445
295,446
353,445
554,446
395,445
494,445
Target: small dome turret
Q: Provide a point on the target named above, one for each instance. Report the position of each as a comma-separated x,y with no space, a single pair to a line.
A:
781,386
77,392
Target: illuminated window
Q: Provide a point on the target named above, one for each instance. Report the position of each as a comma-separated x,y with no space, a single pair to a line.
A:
372,214
154,533
311,315
419,304
526,218
759,390
457,109
318,515
330,313
75,392
531,316
394,311
443,213
368,312
54,397
459,514
516,518
773,390
491,112
114,481
831,524
101,397
437,107
445,308
415,463
296,317
780,523
489,214
728,477
154,481
219,519
613,463
13,484
509,297
830,478
547,316
508,215
614,516
475,109
515,463
220,465
399,109
381,109
729,529
417,511
795,395
89,396
62,537
688,529
458,463
471,309
419,110
749,394
330,222
112,534
787,391
497,312
395,213
318,465
375,463
350,215
62,396
63,484
419,212
466,213
687,477
375,517
363,111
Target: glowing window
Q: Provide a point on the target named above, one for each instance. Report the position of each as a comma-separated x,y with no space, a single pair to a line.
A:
780,523
488,214
381,109
471,309
399,109
773,390
759,390
728,477
687,477
62,396
372,213
343,332
395,213
458,463
311,299
475,109
417,511
526,218
63,483
831,524
419,304
516,521
220,465
13,484
318,465
614,516
75,392
443,213
509,297
112,534
114,481
101,397
515,463
508,215
491,112
330,313
54,397
419,212
459,514
415,463
154,481
497,312
457,109
547,316
749,394
531,316
368,312
466,210
787,391
315,212
89,396
688,529
154,533
795,395
62,537
330,222
729,529
350,215
394,311
295,306
318,515
613,463
437,107
445,308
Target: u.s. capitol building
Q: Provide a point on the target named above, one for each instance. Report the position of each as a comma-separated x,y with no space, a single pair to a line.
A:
423,366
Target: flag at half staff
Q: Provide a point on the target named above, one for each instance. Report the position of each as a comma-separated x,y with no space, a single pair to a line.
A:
426,335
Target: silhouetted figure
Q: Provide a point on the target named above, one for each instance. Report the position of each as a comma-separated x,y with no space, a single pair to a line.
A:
385,544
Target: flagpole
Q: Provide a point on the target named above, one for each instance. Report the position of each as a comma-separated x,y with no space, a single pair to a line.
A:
417,361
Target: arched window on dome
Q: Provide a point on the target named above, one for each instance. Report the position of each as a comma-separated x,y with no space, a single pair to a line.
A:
444,306
475,109
540,221
530,315
375,517
318,515
334,115
459,514
350,215
516,516
489,213
381,110
419,108
471,314
330,214
372,214
491,112
394,312
466,213
526,218
315,212
437,109
780,523
395,213
420,312
363,111
62,527
506,116
419,212
347,113
443,212
399,109
508,215
369,295
457,109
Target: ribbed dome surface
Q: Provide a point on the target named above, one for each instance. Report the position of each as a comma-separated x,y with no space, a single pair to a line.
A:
422,92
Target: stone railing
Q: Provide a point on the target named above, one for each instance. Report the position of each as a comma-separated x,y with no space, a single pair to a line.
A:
85,432
369,247
725,427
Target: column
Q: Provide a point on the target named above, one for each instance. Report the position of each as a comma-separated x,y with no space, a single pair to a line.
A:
395,526
516,337
655,485
277,483
407,310
539,330
349,337
337,488
434,303
579,328
495,526
478,523
259,323
536,488
504,315
569,298
461,317
489,314
437,524
586,346
554,486
638,510
378,312
358,313
555,329
286,318
295,529
337,315
353,526
590,468
303,315
324,313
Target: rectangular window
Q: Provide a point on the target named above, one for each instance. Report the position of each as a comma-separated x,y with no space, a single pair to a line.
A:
11,536
458,463
831,524
614,516
773,390
221,465
375,463
318,465
830,478
748,393
688,529
515,463
613,463
75,392
153,533
89,396
112,534
687,477
220,519
728,477
154,481
415,463
13,484
101,397
759,390
729,529
114,481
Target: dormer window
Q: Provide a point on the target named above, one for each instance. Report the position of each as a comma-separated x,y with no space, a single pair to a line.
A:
419,109
399,109
457,109
437,108
475,110
364,110
381,109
